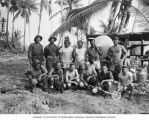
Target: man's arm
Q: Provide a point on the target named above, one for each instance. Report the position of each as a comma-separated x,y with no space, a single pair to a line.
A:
110,78
94,71
30,53
109,53
42,53
130,80
99,50
45,52
45,72
124,51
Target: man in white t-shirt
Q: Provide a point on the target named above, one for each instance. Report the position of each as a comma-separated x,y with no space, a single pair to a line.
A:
125,81
66,53
79,53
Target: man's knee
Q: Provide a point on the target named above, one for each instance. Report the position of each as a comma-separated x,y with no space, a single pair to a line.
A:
81,85
34,82
68,85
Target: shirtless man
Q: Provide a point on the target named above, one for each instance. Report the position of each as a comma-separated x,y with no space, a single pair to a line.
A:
72,76
117,54
89,75
56,77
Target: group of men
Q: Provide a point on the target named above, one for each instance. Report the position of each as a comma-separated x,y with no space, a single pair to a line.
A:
78,67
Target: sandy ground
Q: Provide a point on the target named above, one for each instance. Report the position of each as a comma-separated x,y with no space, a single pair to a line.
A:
17,100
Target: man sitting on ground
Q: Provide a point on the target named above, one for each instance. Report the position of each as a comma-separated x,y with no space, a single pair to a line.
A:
38,75
105,78
56,77
72,76
125,81
89,75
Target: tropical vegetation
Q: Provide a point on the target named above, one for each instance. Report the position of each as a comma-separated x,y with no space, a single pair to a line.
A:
74,14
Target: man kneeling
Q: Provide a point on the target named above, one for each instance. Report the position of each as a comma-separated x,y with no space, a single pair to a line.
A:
125,81
105,78
89,75
56,78
72,77
38,75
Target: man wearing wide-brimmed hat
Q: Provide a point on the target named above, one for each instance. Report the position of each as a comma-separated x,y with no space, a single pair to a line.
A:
51,53
35,50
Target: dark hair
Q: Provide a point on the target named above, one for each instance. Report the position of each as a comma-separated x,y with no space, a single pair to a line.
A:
71,64
116,38
124,66
55,65
52,38
80,41
37,37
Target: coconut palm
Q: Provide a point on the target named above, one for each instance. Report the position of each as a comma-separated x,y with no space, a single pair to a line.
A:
66,5
13,9
25,9
81,15
6,3
44,4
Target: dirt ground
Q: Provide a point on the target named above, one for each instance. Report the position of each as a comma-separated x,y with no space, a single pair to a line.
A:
18,100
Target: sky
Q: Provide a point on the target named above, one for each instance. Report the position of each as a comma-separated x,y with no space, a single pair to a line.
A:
47,27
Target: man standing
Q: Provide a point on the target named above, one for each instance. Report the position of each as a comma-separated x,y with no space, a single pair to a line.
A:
51,54
35,50
117,54
125,81
80,56
66,54
93,54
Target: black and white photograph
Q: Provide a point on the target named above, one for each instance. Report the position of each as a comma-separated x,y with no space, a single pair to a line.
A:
74,57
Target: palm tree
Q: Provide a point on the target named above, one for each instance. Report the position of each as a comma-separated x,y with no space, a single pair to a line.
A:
6,3
25,9
66,5
44,4
79,16
13,9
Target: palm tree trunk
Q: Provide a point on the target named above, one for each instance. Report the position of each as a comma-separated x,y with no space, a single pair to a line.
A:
122,24
29,32
7,31
126,6
24,33
40,19
13,31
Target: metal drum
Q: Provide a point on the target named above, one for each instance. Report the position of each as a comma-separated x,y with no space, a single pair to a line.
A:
141,75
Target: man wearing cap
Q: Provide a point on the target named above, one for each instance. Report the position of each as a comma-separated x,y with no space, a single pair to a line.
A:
79,53
51,54
126,81
93,55
35,50
117,54
66,53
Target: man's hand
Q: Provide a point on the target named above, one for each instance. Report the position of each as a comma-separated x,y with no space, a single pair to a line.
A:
39,78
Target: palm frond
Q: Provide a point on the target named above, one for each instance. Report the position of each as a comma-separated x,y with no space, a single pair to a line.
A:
79,16
66,8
